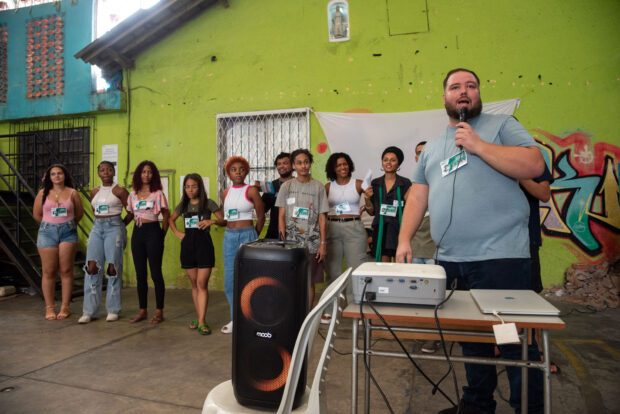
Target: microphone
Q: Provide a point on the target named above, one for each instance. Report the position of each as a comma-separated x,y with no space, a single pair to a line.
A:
462,118
463,114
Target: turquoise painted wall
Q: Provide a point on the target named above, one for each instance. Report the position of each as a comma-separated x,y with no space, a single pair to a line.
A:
561,58
76,32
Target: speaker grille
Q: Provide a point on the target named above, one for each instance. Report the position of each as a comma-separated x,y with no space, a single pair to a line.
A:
267,295
271,302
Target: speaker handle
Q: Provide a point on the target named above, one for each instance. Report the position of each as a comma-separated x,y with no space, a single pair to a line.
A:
278,242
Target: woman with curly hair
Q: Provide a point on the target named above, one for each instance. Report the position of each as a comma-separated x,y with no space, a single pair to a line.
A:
239,201
58,208
146,202
346,236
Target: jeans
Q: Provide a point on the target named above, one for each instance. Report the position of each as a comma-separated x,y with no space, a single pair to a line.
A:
420,260
147,243
233,238
482,379
52,234
106,244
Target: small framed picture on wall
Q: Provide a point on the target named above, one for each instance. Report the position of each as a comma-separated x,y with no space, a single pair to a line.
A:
338,20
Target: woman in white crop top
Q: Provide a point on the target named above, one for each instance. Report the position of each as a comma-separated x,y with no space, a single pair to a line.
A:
346,236
239,201
106,243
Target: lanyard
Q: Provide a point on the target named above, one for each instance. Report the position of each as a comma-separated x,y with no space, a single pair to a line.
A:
400,219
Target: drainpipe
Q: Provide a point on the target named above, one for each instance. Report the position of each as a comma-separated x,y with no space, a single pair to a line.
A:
127,171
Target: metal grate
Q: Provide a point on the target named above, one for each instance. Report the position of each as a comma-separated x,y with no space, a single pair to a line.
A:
36,145
259,137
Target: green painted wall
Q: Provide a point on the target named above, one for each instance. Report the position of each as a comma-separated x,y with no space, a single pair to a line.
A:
560,57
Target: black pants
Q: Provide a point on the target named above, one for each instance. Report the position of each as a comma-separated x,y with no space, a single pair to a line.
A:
147,243
536,284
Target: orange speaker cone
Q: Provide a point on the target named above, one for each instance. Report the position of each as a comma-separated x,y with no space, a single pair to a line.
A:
250,288
279,381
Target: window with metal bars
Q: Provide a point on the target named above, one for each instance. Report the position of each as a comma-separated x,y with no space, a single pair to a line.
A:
36,145
259,137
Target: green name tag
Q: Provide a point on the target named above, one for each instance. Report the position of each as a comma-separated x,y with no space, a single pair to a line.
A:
232,214
102,209
453,163
191,222
388,210
144,205
59,212
301,213
343,208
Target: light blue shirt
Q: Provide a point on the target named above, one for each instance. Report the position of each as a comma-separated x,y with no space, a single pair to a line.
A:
489,211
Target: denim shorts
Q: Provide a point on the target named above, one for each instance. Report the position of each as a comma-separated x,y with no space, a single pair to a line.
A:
51,234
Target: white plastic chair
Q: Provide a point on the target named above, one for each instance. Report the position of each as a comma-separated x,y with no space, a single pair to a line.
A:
221,399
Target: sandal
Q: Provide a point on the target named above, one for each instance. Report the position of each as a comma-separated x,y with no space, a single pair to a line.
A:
50,313
157,318
141,316
204,329
193,324
64,313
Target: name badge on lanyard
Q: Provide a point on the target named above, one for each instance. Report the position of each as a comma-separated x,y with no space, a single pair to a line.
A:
191,222
388,210
144,205
449,165
232,214
59,212
343,208
102,209
301,213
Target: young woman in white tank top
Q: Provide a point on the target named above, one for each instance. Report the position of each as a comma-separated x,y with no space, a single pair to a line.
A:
106,244
239,201
346,236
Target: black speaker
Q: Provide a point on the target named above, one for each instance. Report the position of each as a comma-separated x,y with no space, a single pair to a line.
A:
270,304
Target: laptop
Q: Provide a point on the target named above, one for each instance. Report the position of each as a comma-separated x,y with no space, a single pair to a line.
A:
512,302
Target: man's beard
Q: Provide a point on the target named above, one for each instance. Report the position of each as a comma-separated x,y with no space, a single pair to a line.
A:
453,111
286,175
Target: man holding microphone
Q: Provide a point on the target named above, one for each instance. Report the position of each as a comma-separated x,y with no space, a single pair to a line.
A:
467,177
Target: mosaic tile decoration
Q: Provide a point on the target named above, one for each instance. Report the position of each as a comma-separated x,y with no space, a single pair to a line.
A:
4,41
45,63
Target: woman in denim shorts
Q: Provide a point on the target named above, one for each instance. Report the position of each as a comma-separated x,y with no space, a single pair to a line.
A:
58,208
106,244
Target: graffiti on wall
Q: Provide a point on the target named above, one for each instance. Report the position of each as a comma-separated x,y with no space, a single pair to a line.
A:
584,208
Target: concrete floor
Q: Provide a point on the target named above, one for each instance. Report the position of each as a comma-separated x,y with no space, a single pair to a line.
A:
62,367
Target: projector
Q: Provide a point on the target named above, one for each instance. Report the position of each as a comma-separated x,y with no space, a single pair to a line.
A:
415,284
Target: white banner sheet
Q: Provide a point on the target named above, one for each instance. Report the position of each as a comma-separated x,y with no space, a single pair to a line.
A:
364,136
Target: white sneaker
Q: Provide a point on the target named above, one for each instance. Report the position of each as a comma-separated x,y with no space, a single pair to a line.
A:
227,329
112,317
326,319
84,319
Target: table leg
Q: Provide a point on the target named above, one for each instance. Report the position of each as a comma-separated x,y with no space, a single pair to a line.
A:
546,371
524,378
354,370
